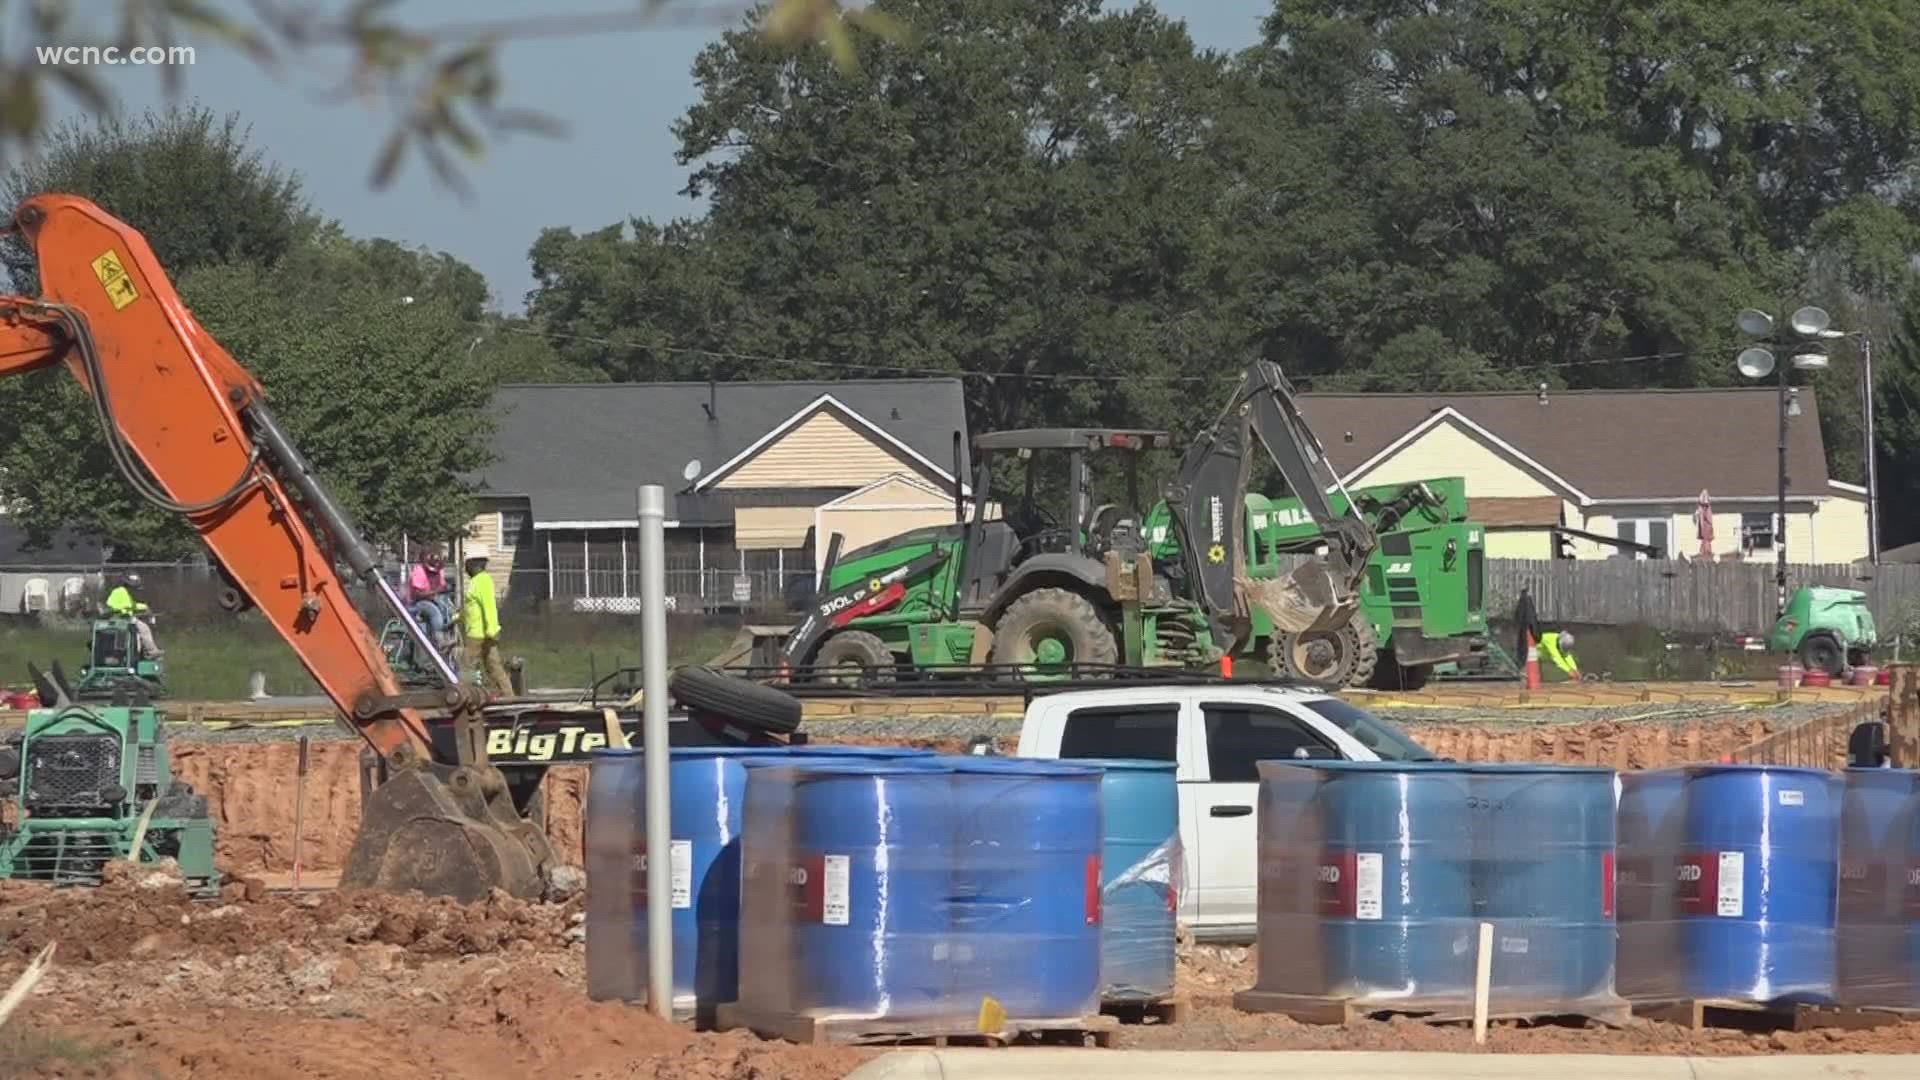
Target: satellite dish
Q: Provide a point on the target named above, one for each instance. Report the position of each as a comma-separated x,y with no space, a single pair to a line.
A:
1755,323
691,472
1809,321
1755,363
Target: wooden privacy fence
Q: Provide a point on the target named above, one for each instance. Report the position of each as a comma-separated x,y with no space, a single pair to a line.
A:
1706,597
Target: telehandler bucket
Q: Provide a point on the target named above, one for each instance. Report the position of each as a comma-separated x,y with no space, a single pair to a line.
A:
1310,599
447,831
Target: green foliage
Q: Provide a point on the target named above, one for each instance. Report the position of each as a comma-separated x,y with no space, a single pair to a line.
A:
443,82
378,394
365,347
198,190
1017,189
1093,220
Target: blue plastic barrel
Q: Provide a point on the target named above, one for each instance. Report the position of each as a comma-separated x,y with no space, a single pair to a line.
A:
1757,881
849,872
1544,877
808,751
1139,856
615,933
1877,940
1027,841
1381,856
1649,832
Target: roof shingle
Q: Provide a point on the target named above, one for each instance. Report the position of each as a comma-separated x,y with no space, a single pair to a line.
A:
1658,445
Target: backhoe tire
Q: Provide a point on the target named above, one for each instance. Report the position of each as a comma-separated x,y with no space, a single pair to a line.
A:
748,704
1056,614
856,658
1822,652
1344,657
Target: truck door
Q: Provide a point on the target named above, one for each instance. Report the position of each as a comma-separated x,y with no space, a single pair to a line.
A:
1237,736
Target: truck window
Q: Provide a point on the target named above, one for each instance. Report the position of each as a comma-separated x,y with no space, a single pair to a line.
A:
1387,742
1239,737
1146,732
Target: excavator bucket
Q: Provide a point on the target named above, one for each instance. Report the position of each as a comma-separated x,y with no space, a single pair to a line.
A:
1310,599
447,831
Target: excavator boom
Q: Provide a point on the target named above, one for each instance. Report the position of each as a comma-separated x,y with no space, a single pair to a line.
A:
1207,494
190,430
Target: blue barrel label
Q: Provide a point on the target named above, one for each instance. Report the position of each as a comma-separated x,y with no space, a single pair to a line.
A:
679,873
1711,883
1349,884
818,888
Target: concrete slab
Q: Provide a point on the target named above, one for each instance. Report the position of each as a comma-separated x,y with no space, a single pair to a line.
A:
1063,1064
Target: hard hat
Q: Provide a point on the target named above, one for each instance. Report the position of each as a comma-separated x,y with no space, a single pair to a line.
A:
475,551
1566,639
133,579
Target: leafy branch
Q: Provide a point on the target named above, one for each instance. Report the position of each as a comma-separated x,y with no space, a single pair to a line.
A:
441,82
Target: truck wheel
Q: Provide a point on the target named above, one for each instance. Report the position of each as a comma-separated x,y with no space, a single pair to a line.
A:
852,658
1820,652
1052,628
748,704
1343,657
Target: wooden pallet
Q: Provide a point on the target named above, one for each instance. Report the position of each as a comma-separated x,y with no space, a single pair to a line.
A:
1163,1011
1341,1011
858,1031
1703,1013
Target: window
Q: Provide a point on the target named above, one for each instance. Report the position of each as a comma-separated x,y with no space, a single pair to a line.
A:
1387,742
1145,732
1756,532
512,523
1649,531
1239,737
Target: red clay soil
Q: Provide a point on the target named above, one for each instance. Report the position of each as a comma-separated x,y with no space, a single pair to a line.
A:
250,786
367,987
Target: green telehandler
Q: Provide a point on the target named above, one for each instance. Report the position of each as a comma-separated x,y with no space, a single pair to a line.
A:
1044,593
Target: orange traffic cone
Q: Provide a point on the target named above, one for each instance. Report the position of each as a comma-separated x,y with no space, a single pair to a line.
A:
1533,664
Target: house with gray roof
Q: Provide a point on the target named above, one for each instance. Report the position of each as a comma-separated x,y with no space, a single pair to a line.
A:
1609,473
754,472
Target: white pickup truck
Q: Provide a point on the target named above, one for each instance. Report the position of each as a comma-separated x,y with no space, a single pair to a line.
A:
1217,734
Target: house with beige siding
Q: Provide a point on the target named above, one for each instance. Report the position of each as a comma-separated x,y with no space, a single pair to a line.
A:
758,475
1608,473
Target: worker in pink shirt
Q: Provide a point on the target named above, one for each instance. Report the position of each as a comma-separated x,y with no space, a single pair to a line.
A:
429,593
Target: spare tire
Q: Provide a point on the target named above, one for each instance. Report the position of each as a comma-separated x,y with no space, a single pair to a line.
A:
748,704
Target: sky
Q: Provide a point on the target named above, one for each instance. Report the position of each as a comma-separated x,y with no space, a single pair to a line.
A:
618,94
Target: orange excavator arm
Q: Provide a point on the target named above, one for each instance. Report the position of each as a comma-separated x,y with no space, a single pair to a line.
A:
189,428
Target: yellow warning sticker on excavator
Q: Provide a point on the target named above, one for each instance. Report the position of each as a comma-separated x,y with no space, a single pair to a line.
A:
1217,554
114,278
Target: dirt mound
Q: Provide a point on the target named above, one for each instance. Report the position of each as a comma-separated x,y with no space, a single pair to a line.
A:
142,917
447,1018
250,794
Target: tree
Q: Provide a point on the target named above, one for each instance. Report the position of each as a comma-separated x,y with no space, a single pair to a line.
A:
1019,192
384,394
199,192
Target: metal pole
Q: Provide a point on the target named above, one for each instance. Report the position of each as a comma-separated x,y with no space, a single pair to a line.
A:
1873,474
653,683
1780,537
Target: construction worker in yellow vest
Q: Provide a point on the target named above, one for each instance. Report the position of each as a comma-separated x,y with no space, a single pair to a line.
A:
481,623
1557,647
